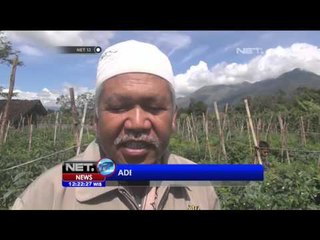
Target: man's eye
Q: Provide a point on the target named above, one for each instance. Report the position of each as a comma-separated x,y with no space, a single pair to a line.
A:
116,109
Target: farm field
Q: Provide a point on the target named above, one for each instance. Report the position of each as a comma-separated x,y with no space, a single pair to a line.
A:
292,181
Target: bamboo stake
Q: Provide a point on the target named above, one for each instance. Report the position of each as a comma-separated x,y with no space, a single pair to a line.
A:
30,132
6,110
191,131
182,132
303,133
207,134
6,134
203,123
286,142
241,127
82,125
74,117
88,135
188,128
249,137
221,135
22,124
268,128
258,129
55,128
252,132
184,129
281,135
229,128
195,132
225,116
226,122
60,125
178,126
308,125
194,127
262,127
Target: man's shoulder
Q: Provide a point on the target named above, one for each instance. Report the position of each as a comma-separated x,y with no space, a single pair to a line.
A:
42,188
40,194
52,175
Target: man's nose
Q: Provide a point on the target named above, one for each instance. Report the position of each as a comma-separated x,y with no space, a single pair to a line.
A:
137,120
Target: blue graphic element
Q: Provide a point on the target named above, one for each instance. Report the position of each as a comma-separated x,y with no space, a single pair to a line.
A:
106,167
188,172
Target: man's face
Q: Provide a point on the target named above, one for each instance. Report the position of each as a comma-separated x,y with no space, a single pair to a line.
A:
264,152
136,118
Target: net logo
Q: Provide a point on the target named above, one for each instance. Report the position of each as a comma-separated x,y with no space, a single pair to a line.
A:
86,173
73,167
250,51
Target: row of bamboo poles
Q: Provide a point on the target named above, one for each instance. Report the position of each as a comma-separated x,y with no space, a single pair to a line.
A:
191,127
58,125
5,122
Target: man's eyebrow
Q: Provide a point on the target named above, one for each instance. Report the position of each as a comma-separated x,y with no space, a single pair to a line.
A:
117,97
157,99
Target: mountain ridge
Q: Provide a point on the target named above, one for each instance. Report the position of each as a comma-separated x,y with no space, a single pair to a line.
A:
287,82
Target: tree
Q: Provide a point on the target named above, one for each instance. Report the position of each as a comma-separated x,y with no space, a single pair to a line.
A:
4,118
197,107
65,102
7,54
307,102
6,51
83,98
5,95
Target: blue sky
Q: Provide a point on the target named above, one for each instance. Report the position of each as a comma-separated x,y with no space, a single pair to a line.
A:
198,57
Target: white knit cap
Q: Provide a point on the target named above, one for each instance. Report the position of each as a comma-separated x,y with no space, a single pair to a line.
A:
133,56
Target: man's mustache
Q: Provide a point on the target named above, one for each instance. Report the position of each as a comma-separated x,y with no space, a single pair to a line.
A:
142,138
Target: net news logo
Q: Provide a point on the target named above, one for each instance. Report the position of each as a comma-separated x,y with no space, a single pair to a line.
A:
250,51
87,173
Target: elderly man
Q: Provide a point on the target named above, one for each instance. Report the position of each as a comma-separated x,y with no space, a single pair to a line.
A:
135,116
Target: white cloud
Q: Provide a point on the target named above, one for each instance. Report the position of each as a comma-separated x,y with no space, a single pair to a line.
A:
195,74
169,42
77,89
47,97
34,43
196,52
271,64
28,50
61,38
232,46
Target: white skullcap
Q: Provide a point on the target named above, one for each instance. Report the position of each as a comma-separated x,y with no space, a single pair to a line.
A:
133,56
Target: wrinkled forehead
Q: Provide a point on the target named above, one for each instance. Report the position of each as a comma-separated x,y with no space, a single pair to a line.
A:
137,84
